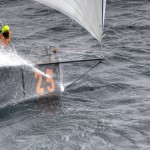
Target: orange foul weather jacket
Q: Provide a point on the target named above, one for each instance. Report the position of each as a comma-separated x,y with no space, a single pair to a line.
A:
3,40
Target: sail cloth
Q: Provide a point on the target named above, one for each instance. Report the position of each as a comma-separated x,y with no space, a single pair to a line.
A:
88,13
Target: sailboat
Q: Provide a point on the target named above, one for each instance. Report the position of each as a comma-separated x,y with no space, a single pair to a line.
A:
26,84
88,13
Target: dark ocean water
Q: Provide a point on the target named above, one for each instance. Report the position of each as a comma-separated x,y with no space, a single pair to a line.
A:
109,108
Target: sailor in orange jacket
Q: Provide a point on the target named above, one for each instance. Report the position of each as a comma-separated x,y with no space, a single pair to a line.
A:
5,36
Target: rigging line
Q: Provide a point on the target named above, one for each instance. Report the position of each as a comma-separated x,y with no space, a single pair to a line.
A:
104,58
86,73
12,46
66,54
82,75
67,62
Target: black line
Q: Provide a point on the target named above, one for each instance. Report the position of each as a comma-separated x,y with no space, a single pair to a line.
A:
23,83
82,76
74,61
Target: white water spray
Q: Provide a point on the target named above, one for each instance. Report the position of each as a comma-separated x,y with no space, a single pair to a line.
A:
8,59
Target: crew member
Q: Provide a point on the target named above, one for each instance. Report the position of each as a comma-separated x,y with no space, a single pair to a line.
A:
5,35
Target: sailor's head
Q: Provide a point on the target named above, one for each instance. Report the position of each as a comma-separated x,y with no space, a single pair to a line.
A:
5,28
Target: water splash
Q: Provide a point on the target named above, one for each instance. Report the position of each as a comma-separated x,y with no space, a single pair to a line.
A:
8,59
62,88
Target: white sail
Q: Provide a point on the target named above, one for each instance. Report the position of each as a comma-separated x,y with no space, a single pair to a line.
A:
88,13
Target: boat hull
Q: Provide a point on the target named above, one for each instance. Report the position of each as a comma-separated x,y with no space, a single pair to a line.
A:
21,82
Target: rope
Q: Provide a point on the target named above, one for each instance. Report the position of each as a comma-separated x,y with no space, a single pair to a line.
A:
82,75
103,59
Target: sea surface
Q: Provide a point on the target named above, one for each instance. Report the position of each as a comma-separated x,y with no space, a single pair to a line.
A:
109,107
